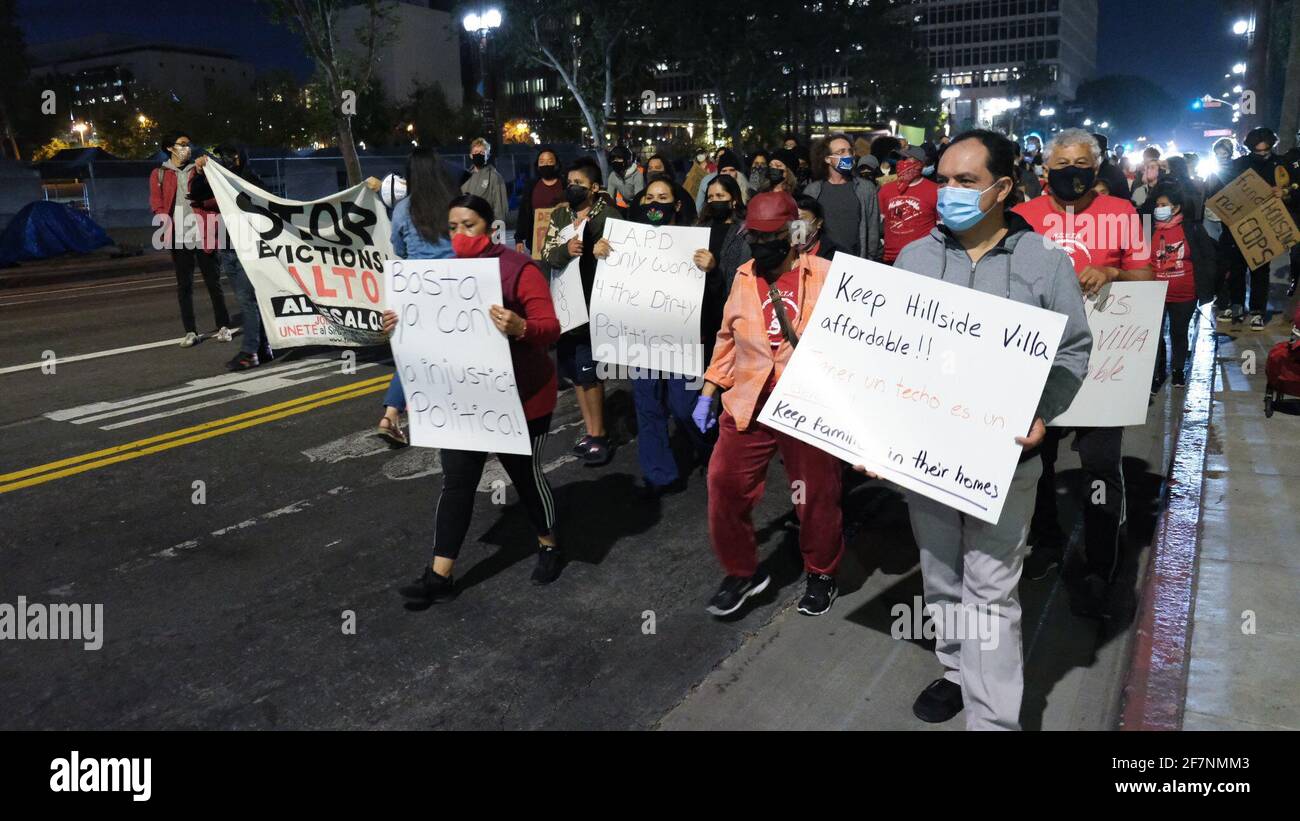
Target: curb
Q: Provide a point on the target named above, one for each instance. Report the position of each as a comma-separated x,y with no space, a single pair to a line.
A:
1155,685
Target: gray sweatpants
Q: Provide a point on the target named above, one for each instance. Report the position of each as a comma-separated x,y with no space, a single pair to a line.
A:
971,564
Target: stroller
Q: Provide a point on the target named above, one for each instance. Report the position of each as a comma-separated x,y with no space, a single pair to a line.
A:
1282,369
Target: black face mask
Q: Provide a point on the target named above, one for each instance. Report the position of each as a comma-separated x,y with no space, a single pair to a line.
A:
548,172
768,256
658,213
716,211
479,160
1071,183
576,196
618,165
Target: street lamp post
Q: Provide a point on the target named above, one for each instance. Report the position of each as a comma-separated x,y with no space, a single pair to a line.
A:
482,24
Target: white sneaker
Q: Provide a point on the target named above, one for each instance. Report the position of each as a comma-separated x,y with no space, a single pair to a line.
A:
191,339
224,334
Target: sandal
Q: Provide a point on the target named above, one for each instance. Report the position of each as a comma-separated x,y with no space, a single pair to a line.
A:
392,433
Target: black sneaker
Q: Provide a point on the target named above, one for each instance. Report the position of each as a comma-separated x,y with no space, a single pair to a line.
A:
581,446
243,362
431,587
599,452
734,590
1178,380
649,491
549,562
818,595
938,702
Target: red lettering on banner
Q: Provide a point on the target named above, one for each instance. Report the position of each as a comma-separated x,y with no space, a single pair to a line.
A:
293,272
321,290
370,284
346,275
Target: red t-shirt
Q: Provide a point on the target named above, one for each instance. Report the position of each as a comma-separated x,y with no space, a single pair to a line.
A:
1172,260
787,285
909,213
1107,234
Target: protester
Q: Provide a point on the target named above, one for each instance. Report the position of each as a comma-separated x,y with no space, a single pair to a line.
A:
729,164
625,177
169,190
484,180
418,232
965,562
1179,173
698,171
769,305
575,228
527,319
816,243
758,163
1182,255
1224,151
1110,173
909,208
659,396
658,165
255,345
724,215
1026,178
1261,159
1152,175
1090,227
850,202
545,191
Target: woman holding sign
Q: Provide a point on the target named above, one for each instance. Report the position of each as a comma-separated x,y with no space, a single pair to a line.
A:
769,305
528,319
660,396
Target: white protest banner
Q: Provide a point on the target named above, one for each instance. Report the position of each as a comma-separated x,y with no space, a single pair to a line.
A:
1125,321
645,304
454,364
924,382
317,267
570,302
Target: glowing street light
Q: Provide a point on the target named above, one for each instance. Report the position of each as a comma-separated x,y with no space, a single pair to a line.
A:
483,24
1240,27
80,128
1088,121
1239,68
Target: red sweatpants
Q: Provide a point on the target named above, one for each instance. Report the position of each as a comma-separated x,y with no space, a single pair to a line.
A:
737,473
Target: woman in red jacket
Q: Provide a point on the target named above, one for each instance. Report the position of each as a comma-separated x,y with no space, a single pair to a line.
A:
528,319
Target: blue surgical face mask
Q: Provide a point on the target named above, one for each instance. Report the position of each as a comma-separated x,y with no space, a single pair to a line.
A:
1164,213
959,208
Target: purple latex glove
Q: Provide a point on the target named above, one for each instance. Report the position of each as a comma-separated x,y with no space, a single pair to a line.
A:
703,413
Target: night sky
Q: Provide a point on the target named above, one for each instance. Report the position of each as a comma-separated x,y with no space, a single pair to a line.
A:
1184,45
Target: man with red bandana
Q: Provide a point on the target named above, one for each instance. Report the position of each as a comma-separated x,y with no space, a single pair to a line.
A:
909,206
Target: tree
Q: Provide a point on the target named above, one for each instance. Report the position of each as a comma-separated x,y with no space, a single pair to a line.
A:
340,70
590,47
1129,103
436,120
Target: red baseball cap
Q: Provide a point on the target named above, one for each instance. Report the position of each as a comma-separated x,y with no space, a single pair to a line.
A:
770,211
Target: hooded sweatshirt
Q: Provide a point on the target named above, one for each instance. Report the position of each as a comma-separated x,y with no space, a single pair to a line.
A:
1023,267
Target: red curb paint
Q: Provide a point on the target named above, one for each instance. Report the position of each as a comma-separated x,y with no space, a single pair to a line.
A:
1155,687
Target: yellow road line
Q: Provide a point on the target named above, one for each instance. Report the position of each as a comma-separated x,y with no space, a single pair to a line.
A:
213,430
72,460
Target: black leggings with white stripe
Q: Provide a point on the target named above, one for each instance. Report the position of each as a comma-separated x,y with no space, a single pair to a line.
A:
463,469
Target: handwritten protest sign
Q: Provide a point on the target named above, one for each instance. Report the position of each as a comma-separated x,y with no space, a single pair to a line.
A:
541,223
645,304
317,267
924,382
454,364
1125,319
1258,220
568,298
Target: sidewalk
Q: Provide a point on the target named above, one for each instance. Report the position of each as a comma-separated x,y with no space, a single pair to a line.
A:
844,670
1249,546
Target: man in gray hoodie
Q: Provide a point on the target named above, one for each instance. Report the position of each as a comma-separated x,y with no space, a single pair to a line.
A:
966,563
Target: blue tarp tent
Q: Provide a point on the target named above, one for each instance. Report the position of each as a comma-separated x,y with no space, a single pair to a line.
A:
46,229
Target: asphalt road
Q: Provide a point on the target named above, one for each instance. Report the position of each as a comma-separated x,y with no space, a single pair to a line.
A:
228,524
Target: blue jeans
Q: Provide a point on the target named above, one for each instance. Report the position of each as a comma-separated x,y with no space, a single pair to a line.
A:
656,400
253,340
395,397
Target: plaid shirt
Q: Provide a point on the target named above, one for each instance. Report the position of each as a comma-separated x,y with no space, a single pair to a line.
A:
743,357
